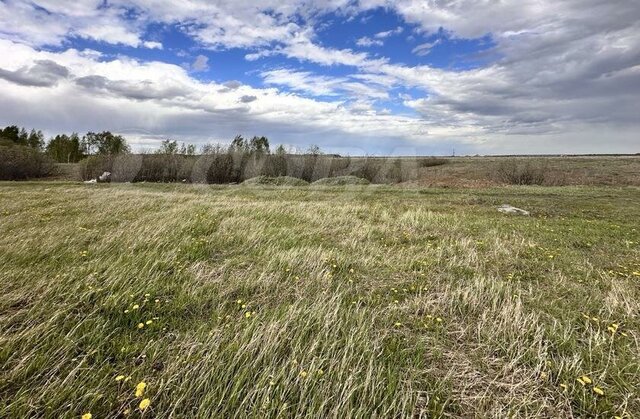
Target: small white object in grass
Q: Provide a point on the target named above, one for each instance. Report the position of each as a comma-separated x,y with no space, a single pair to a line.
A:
104,177
508,209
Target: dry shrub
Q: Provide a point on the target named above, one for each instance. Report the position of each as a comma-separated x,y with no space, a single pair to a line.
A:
20,162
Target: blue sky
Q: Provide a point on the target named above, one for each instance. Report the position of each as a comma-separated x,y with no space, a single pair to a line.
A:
357,77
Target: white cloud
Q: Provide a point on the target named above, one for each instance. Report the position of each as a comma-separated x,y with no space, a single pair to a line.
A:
152,44
555,67
143,100
368,42
386,34
201,63
424,49
317,85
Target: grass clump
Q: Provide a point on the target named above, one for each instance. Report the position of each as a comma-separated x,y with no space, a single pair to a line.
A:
341,181
276,181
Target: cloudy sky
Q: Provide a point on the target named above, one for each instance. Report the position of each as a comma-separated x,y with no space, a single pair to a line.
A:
354,77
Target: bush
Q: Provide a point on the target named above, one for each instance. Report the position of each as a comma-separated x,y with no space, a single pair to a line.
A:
277,181
430,161
341,181
515,173
21,162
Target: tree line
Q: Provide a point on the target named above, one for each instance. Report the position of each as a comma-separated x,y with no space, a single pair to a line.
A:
72,148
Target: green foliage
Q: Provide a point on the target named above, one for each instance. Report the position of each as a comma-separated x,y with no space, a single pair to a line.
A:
19,136
65,149
104,143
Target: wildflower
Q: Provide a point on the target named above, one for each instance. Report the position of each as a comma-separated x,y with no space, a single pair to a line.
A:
140,325
438,319
398,324
239,302
586,379
581,381
157,300
140,388
147,295
563,386
120,378
135,306
87,416
144,404
303,374
320,372
351,270
127,379
247,314
598,391
126,311
126,411
149,321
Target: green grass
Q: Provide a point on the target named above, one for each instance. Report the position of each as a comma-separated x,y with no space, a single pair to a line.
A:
307,302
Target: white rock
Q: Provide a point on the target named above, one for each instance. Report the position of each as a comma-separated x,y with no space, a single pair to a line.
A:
104,177
508,209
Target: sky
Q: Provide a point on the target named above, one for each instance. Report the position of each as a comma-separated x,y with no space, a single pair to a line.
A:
369,77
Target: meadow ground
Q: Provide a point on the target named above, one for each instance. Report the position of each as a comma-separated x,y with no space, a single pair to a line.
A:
318,302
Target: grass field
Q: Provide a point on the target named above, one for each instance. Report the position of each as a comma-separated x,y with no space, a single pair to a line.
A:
318,302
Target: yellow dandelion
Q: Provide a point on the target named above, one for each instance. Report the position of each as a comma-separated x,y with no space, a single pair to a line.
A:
140,388
144,404
120,378
87,416
598,391
135,306
140,325
586,379
320,372
247,314
303,374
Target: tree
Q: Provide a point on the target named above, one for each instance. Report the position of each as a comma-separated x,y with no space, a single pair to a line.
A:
65,149
187,149
168,147
35,139
259,145
239,144
104,143
314,150
280,150
14,134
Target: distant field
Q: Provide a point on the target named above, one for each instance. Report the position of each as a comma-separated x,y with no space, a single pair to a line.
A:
566,170
484,171
362,302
